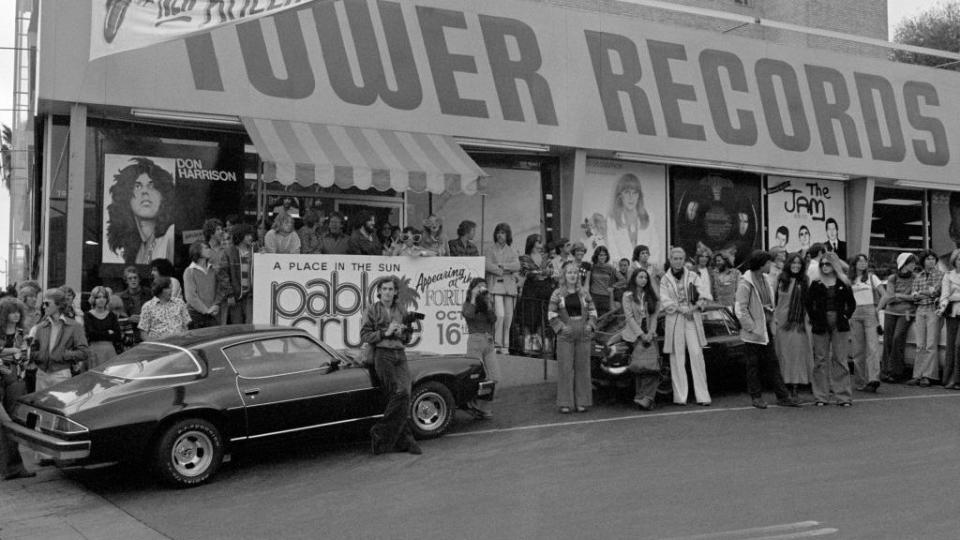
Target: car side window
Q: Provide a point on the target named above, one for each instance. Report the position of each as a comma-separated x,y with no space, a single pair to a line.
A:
715,324
277,356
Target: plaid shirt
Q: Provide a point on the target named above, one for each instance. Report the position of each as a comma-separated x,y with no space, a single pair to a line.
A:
928,283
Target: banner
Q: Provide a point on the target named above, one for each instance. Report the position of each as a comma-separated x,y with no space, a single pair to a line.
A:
624,206
719,210
803,211
512,70
328,295
125,25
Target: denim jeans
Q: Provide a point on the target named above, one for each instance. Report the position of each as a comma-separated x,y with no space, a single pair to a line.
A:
480,346
574,387
927,363
763,358
830,371
866,345
895,329
951,358
392,432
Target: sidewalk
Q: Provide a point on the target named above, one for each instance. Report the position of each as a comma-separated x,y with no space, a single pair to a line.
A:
53,507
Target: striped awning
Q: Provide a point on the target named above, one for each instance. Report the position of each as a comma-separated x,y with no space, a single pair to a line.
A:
327,155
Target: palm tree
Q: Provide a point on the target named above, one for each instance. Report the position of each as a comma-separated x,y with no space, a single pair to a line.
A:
6,153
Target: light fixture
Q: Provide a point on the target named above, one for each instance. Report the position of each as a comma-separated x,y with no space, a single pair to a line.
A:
648,158
501,145
927,185
203,118
92,243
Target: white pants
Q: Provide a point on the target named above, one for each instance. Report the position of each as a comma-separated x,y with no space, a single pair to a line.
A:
685,340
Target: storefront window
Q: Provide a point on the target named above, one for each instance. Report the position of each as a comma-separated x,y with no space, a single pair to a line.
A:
55,256
899,224
517,192
148,191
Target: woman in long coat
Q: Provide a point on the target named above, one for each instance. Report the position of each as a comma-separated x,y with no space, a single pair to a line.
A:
790,325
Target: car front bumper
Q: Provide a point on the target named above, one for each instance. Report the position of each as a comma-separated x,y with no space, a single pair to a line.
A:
59,449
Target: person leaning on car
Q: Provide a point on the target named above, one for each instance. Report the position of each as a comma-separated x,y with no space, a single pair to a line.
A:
61,341
753,305
384,330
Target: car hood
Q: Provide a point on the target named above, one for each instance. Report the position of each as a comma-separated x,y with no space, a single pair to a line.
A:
89,390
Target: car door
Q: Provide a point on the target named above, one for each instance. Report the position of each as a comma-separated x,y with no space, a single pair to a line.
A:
291,384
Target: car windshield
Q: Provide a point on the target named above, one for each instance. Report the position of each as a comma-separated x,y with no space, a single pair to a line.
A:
150,360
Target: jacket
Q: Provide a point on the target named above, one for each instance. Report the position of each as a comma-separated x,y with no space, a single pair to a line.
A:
71,345
950,294
673,296
557,314
634,315
816,307
133,302
375,323
229,275
502,282
748,307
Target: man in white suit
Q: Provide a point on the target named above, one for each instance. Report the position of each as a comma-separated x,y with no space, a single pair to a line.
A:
682,297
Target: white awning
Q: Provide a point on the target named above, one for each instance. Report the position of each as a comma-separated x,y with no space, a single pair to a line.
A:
327,155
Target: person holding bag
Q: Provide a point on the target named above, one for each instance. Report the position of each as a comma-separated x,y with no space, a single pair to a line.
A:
640,308
949,308
573,317
753,305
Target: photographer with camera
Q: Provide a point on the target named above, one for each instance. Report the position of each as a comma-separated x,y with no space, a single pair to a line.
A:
386,327
62,345
479,313
12,386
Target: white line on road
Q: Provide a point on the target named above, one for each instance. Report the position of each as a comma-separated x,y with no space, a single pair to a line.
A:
801,529
683,412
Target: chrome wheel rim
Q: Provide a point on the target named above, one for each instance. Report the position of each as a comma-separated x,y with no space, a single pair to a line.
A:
192,453
429,411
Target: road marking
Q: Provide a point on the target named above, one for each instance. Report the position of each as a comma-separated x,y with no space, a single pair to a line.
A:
681,412
801,529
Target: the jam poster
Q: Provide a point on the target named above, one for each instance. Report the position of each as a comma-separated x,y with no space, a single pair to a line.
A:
804,211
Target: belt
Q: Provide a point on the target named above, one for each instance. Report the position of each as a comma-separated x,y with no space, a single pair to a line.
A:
577,318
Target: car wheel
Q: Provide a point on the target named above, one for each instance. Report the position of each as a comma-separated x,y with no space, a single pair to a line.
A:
189,452
431,409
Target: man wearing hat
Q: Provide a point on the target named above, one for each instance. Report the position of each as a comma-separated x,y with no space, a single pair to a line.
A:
899,307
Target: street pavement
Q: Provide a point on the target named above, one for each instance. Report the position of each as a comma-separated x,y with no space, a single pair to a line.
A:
885,468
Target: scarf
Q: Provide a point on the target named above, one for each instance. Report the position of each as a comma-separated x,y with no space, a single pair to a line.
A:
796,315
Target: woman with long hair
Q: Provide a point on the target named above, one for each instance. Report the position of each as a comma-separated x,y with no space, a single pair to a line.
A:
830,305
573,318
640,307
863,325
630,223
502,268
13,316
790,325
724,279
536,272
479,314
601,279
433,240
102,327
949,308
926,292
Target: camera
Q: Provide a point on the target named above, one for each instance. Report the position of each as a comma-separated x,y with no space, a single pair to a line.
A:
412,317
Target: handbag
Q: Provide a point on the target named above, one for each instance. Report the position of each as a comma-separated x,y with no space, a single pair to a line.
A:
645,358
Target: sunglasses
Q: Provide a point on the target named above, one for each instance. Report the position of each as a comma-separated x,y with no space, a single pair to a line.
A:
414,237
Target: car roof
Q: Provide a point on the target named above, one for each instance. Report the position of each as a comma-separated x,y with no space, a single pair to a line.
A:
202,336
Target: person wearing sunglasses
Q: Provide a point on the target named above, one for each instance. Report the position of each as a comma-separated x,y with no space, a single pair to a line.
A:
61,340
409,244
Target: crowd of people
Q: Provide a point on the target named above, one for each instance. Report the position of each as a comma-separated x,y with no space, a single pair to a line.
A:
806,318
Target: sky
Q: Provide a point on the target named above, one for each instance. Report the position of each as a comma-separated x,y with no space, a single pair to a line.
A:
897,10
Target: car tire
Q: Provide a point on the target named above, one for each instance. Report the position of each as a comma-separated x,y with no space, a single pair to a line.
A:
432,409
188,453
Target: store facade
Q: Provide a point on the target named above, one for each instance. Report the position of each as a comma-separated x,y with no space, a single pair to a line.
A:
506,111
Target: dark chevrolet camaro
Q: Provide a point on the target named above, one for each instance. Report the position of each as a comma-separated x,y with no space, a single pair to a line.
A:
182,402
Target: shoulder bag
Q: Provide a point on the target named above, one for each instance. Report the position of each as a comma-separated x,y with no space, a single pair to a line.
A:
645,358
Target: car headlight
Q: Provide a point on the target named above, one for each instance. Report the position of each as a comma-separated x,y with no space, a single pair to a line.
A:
66,426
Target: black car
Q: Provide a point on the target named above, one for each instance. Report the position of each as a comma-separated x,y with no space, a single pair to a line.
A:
182,402
723,354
